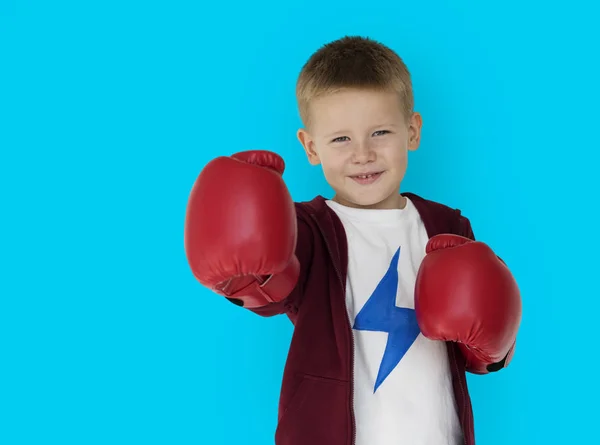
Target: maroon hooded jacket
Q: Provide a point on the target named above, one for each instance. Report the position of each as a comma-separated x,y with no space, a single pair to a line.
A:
316,403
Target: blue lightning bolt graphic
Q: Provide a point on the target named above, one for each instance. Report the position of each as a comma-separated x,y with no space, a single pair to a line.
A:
380,314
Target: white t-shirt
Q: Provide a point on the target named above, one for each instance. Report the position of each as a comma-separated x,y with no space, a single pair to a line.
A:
402,382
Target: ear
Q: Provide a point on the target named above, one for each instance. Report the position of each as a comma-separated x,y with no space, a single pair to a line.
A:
309,146
414,131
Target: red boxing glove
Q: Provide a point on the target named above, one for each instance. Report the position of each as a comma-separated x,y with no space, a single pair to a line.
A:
240,229
464,293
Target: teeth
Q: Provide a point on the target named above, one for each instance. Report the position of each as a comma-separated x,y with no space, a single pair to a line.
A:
365,176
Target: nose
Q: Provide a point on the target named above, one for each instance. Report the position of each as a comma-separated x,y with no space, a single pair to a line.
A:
363,153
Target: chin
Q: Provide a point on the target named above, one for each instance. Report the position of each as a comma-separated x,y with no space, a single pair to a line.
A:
368,200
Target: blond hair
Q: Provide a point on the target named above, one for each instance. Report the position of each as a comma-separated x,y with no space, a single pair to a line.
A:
353,62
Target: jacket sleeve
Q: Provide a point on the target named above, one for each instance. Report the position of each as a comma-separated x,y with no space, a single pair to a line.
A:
463,228
304,251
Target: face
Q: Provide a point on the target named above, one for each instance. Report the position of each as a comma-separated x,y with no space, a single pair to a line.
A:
361,139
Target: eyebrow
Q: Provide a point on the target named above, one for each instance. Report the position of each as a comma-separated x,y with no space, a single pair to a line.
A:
336,133
340,132
390,124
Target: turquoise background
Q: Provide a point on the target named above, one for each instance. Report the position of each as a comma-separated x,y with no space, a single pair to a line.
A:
109,110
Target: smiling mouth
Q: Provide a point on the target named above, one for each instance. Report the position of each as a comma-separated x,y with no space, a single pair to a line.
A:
367,178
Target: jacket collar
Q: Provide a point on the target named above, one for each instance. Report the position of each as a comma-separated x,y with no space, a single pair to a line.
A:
436,217
332,230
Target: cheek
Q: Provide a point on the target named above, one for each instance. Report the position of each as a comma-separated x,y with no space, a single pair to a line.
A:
395,154
334,160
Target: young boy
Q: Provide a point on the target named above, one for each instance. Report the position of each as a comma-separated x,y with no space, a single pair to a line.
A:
391,298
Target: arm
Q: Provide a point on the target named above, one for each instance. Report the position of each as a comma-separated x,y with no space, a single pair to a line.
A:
304,252
241,230
465,293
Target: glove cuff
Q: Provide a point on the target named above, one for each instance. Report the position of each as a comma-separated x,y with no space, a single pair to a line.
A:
262,158
259,291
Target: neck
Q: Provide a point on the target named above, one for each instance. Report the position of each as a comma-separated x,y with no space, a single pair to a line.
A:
391,202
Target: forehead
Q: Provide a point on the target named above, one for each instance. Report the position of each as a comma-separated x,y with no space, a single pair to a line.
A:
354,108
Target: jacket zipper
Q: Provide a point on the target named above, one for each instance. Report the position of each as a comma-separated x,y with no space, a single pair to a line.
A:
462,392
351,365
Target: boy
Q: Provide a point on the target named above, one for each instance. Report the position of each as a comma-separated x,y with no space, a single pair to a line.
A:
391,298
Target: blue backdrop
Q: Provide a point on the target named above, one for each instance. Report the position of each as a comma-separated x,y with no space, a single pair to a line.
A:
109,110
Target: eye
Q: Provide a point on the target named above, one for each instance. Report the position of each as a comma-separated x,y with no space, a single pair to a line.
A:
341,139
380,132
